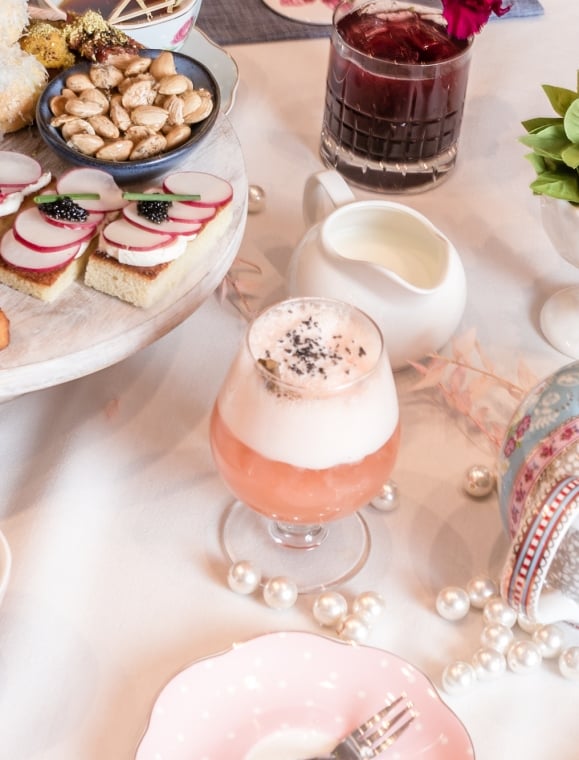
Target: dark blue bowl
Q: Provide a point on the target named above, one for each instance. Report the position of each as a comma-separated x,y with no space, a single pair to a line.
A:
129,172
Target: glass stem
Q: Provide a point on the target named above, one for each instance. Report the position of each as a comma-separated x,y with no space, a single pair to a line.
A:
297,535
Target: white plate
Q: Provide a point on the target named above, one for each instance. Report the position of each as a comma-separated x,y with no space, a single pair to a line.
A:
287,695
199,47
317,12
84,331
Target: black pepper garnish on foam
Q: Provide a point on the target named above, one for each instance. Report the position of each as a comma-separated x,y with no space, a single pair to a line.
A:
305,351
65,209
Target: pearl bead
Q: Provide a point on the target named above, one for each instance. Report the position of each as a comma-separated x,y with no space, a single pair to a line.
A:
458,676
479,481
569,663
353,628
550,639
526,624
497,636
523,656
488,664
280,593
452,603
329,608
480,589
243,577
496,610
255,199
388,499
369,606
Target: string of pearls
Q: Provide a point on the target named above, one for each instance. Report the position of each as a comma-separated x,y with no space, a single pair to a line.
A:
500,649
330,608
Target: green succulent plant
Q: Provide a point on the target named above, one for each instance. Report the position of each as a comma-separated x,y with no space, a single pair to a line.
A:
554,141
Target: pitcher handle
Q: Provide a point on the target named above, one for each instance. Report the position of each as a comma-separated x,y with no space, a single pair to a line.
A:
324,192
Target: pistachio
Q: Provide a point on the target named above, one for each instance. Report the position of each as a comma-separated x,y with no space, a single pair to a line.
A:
118,150
105,76
175,108
202,112
191,101
79,82
56,105
176,84
150,146
136,133
149,116
137,66
75,126
85,143
139,93
104,127
120,116
177,135
82,108
96,96
163,65
61,119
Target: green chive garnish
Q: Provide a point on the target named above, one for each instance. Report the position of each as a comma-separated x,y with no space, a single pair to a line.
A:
159,197
47,198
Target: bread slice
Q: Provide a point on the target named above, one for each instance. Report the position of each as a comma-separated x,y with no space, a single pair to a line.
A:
44,285
144,286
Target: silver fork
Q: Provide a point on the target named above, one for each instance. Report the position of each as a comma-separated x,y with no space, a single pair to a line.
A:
376,734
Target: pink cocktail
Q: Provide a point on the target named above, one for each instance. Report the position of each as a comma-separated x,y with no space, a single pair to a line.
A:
305,428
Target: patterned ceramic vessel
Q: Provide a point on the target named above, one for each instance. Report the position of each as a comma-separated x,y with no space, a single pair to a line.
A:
538,471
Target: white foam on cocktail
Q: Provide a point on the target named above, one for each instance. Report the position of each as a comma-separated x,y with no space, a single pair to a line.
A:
319,429
291,744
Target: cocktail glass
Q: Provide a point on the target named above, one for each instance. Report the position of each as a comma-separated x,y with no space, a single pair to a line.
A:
304,432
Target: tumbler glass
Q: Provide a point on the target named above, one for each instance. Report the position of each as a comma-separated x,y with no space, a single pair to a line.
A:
395,94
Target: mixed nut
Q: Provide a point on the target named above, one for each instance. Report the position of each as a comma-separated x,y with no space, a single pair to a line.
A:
129,111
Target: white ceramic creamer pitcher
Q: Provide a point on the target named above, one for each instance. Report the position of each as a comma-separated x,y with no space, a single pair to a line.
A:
386,259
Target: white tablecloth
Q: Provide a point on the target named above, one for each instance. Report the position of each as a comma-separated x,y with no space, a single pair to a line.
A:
111,502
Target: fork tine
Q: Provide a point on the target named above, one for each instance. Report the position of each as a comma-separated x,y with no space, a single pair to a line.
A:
377,718
395,735
381,730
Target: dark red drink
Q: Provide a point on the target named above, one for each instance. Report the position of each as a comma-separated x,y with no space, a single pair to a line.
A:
395,93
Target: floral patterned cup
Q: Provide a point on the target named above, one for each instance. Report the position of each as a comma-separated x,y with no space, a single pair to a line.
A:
539,499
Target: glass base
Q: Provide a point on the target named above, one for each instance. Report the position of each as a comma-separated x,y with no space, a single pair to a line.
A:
381,176
560,321
342,553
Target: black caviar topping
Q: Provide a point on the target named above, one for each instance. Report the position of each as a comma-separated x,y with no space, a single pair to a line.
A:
155,211
65,209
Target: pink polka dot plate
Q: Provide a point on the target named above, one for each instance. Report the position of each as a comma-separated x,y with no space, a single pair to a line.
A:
290,695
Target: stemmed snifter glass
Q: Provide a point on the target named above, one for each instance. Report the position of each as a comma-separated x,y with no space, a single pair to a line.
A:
304,432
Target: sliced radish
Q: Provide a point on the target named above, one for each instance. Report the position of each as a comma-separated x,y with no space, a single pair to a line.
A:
188,229
92,221
32,229
122,234
185,212
18,169
14,188
20,255
87,180
214,191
